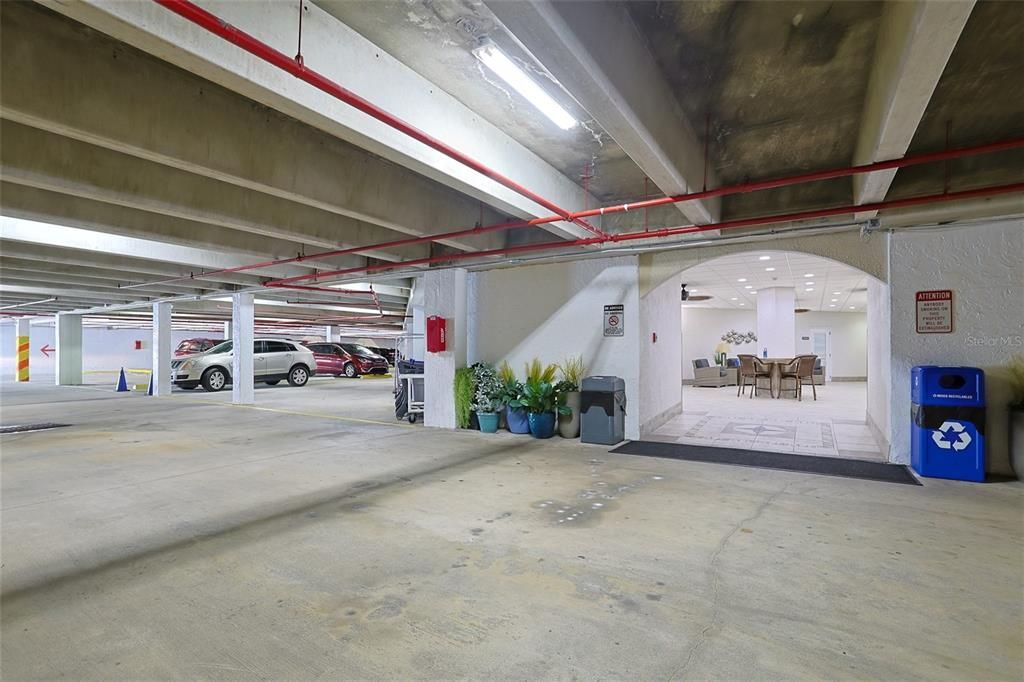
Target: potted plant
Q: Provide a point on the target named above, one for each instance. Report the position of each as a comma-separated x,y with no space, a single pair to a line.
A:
463,396
541,404
1017,415
511,391
487,401
568,390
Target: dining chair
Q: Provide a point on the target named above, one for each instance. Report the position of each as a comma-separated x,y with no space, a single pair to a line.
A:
751,368
801,369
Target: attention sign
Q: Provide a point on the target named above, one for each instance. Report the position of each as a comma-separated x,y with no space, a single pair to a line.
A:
613,320
935,312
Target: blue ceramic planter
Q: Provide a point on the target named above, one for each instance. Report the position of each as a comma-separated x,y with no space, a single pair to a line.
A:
542,424
488,422
517,421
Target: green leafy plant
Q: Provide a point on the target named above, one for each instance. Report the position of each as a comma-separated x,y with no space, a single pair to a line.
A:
538,373
539,397
505,373
571,369
463,396
1017,381
488,389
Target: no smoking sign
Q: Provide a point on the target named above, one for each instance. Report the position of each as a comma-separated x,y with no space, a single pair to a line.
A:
613,320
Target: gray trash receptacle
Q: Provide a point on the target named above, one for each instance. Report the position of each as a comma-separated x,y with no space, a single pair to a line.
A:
602,410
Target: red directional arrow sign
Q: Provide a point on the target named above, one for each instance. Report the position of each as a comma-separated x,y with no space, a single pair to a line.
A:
46,350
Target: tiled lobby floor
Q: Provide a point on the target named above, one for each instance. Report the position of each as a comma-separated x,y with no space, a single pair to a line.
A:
833,425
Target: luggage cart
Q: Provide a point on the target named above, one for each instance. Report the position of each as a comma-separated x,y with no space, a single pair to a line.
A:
409,394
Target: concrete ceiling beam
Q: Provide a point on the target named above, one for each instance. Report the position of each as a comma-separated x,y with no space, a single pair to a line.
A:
622,88
62,209
13,275
122,268
61,78
915,40
344,56
34,158
14,229
75,293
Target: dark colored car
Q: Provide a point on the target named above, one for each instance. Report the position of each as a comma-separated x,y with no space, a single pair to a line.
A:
348,359
194,346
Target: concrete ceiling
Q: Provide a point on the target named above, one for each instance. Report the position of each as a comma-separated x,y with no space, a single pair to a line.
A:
733,282
141,152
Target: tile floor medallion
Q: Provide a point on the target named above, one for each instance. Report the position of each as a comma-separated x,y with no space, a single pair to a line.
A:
826,427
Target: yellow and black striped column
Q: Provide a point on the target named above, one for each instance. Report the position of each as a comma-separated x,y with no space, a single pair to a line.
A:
23,358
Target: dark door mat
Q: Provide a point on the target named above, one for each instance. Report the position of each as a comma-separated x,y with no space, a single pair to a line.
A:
24,428
808,464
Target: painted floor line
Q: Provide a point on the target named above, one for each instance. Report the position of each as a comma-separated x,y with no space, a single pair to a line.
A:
320,415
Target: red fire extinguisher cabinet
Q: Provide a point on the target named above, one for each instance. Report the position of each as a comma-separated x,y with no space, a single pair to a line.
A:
436,334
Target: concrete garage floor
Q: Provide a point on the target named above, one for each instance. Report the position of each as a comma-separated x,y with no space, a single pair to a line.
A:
178,538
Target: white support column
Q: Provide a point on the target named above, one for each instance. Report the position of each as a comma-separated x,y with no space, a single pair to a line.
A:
161,349
242,386
69,349
776,322
329,333
22,348
445,296
227,330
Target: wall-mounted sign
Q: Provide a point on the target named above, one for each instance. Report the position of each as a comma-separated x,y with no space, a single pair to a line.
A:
935,312
613,323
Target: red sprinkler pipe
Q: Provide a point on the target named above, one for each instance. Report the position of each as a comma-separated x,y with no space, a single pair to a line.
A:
673,231
754,186
258,48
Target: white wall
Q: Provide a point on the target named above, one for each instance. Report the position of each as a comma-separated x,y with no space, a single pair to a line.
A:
703,329
102,349
984,266
555,310
660,389
879,360
849,340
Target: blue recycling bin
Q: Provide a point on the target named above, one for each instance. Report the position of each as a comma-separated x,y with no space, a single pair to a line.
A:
948,422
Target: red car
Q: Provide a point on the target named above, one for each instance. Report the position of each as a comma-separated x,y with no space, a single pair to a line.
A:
349,359
193,346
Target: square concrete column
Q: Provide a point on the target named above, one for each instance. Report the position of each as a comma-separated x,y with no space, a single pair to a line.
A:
444,296
329,333
776,322
69,350
242,386
227,330
161,349
22,348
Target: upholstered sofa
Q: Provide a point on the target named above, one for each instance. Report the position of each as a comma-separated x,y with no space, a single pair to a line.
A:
708,375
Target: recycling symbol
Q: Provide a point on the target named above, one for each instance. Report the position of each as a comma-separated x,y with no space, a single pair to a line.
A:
955,430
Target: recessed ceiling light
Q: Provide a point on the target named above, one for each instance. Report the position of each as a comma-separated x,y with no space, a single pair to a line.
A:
742,279
769,269
764,258
809,274
498,62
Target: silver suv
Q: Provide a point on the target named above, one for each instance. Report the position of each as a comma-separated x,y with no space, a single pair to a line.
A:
273,360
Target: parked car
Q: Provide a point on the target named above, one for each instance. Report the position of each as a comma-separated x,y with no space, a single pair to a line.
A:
349,359
274,360
195,346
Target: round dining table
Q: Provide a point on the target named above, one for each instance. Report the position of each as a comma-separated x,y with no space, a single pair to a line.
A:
775,376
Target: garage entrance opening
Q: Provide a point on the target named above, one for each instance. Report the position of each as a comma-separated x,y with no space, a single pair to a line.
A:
774,357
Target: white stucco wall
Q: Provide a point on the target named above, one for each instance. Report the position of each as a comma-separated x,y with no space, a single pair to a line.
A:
555,310
984,266
879,362
849,340
660,361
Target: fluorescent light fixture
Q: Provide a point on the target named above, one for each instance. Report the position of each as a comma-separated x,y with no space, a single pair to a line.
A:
742,303
742,279
753,292
734,298
807,284
853,307
769,269
498,62
832,305
764,258
749,286
835,293
809,274
835,300
808,289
